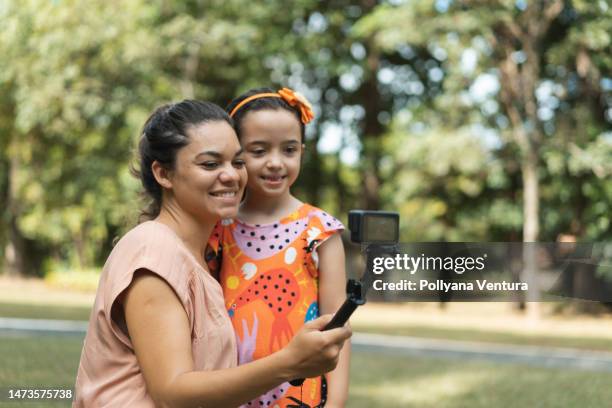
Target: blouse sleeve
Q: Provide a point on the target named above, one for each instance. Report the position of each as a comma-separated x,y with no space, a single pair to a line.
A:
152,249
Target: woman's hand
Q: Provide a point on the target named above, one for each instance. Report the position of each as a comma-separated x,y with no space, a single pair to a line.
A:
313,352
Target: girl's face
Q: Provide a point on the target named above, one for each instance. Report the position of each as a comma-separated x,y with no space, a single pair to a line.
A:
209,175
273,151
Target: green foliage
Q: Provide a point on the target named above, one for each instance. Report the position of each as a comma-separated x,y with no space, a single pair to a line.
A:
80,77
72,69
448,186
573,114
413,89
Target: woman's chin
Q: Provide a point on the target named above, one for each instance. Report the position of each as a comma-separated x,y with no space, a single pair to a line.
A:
229,212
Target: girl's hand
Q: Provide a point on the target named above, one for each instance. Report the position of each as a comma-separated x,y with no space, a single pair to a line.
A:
313,352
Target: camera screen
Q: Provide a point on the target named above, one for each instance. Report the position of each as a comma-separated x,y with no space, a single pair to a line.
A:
380,228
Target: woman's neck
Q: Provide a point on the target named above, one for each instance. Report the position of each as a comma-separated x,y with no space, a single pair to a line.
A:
261,209
190,230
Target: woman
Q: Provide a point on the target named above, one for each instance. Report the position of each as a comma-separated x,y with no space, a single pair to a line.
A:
159,334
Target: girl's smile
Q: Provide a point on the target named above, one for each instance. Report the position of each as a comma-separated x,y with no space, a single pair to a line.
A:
274,180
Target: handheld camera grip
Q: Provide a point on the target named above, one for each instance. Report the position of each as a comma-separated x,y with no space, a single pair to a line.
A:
342,315
354,299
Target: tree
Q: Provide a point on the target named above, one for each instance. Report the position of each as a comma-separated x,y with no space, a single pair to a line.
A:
78,79
521,50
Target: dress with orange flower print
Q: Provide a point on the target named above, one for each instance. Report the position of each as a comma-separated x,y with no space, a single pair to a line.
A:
269,274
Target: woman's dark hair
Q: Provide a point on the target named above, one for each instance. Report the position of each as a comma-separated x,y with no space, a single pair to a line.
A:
163,134
265,103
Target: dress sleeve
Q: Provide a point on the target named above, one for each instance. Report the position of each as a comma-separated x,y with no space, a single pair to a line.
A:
214,249
321,226
216,237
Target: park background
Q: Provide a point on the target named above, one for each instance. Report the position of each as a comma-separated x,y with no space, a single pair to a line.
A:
475,120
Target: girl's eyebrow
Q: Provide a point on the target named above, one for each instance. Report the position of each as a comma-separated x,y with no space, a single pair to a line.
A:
261,142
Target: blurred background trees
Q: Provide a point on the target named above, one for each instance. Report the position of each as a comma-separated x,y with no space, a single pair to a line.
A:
476,120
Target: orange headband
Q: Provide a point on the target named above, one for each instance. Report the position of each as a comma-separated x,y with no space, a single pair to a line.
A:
295,99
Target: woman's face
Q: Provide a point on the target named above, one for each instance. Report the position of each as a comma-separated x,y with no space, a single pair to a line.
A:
273,151
209,174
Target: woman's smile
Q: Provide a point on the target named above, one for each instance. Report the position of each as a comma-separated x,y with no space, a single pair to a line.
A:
227,196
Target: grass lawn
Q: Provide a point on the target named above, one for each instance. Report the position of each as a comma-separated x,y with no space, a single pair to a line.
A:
416,329
377,380
487,322
390,381
584,343
36,311
48,362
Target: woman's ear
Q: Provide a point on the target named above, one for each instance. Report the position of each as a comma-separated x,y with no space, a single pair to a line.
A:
162,175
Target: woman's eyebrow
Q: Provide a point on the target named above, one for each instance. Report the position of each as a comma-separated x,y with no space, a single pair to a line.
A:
217,155
210,153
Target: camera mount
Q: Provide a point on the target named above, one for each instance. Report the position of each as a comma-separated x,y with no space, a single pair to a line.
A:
378,233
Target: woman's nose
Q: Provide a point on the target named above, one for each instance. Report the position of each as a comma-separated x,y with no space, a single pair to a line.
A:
229,175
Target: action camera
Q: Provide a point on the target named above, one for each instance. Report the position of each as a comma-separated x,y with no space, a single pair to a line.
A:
374,227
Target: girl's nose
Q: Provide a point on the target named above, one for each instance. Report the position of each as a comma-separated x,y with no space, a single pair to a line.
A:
274,162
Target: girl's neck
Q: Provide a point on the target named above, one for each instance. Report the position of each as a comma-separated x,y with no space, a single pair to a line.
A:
262,210
193,232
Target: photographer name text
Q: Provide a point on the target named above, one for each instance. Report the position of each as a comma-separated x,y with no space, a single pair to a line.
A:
442,286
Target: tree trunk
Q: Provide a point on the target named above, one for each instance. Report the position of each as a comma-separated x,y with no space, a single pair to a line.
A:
15,250
190,70
372,132
531,202
339,187
519,84
531,227
313,172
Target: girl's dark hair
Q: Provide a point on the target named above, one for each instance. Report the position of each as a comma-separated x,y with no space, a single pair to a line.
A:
163,134
258,104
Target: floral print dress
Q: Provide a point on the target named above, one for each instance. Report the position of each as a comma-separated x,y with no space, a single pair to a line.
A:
269,274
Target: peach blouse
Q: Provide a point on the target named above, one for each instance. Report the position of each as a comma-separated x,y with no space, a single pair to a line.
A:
109,374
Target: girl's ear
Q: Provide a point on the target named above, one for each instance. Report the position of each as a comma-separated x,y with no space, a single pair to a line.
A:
162,175
303,148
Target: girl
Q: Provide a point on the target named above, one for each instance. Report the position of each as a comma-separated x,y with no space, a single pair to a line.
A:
282,260
159,335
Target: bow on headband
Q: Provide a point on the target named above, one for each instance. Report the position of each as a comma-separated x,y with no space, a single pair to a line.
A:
294,99
297,100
